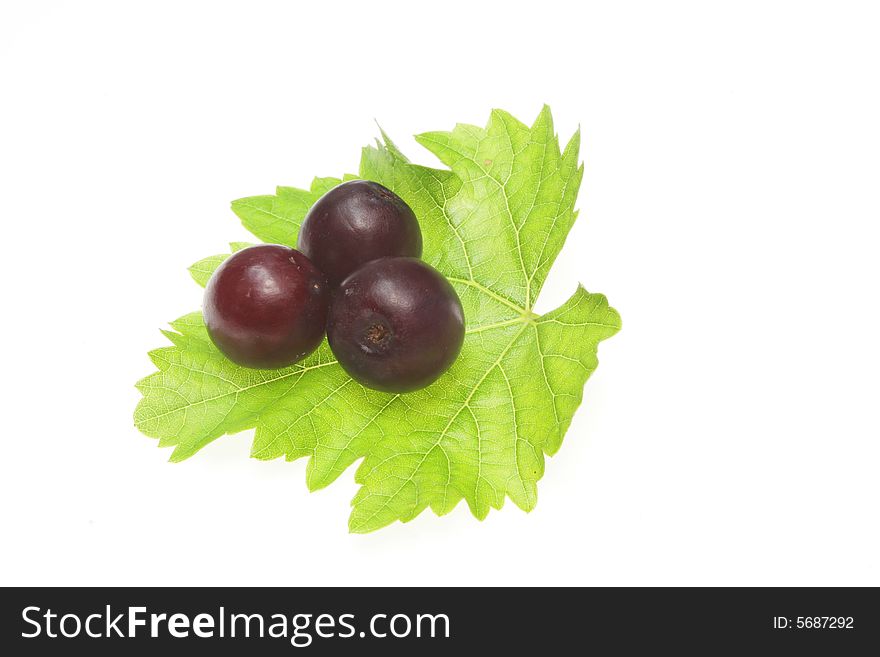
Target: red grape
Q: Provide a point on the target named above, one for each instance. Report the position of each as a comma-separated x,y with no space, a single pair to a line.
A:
266,306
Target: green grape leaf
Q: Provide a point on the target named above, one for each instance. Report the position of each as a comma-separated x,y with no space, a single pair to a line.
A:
493,223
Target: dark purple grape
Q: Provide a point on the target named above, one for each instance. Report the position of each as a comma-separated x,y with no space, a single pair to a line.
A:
395,324
356,222
266,306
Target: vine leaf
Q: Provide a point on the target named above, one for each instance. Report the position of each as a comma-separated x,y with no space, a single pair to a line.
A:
493,223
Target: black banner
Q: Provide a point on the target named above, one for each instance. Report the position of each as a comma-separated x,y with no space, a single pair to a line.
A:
335,621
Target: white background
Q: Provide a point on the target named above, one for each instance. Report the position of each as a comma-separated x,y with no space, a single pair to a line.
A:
730,211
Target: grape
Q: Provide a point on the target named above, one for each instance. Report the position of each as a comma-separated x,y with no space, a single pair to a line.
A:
354,223
266,306
395,324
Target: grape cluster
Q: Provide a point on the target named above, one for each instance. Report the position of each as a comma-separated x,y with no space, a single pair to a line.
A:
393,322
